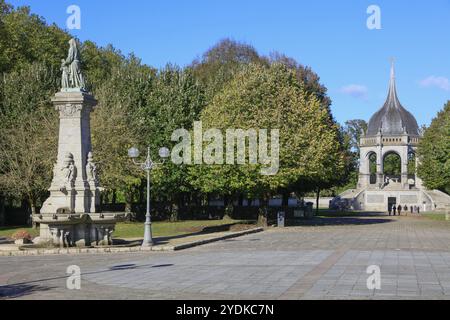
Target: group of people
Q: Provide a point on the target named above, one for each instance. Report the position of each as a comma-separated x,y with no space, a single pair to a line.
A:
398,209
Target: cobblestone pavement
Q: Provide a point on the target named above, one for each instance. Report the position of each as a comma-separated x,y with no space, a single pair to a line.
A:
308,262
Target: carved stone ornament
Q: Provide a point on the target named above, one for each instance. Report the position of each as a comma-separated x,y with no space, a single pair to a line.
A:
69,172
70,110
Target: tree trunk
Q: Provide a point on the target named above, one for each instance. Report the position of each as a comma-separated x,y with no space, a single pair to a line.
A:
175,208
317,200
128,202
33,211
228,203
2,210
114,197
263,212
240,200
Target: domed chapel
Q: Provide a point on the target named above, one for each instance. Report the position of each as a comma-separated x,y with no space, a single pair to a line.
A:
388,162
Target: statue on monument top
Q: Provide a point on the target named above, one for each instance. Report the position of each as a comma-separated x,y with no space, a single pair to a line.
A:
72,78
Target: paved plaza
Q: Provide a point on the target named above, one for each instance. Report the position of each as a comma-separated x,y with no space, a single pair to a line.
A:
325,261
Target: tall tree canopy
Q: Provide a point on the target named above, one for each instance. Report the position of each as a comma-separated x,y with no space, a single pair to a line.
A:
26,38
114,125
261,97
175,102
219,64
434,152
28,132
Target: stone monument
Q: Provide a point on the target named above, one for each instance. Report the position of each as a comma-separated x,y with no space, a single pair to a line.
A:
71,216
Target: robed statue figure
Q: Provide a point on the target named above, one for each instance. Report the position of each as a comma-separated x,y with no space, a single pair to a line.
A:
71,69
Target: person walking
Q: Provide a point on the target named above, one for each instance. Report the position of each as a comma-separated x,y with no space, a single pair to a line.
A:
412,209
405,208
399,209
394,209
390,209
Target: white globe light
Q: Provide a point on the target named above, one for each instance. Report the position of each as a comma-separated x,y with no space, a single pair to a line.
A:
164,153
133,153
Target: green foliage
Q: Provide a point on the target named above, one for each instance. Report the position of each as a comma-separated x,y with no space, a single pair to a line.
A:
175,102
392,164
373,163
354,129
434,152
26,38
26,89
28,131
304,75
221,62
98,63
272,98
114,124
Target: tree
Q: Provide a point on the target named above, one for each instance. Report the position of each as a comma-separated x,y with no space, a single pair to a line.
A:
434,152
353,129
305,75
26,38
175,102
98,63
28,131
272,98
114,126
350,136
219,64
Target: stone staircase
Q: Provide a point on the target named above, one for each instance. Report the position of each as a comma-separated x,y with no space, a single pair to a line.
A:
440,199
393,186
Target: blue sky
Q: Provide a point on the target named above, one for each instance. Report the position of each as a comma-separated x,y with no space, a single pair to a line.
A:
330,36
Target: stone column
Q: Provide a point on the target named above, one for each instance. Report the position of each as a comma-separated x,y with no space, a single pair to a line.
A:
419,182
364,170
380,168
70,188
404,167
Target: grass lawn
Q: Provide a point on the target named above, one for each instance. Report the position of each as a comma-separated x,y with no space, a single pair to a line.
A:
159,229
434,216
170,229
9,231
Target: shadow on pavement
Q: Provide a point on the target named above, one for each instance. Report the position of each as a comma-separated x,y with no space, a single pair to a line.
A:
18,290
337,221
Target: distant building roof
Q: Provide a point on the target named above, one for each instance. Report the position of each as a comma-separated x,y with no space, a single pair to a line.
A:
392,118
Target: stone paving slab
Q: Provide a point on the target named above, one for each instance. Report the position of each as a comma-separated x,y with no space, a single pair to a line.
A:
327,262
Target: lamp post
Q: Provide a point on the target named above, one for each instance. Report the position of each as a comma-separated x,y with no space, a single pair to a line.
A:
148,165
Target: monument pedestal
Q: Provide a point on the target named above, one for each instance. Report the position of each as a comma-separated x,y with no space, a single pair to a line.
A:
78,230
71,215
